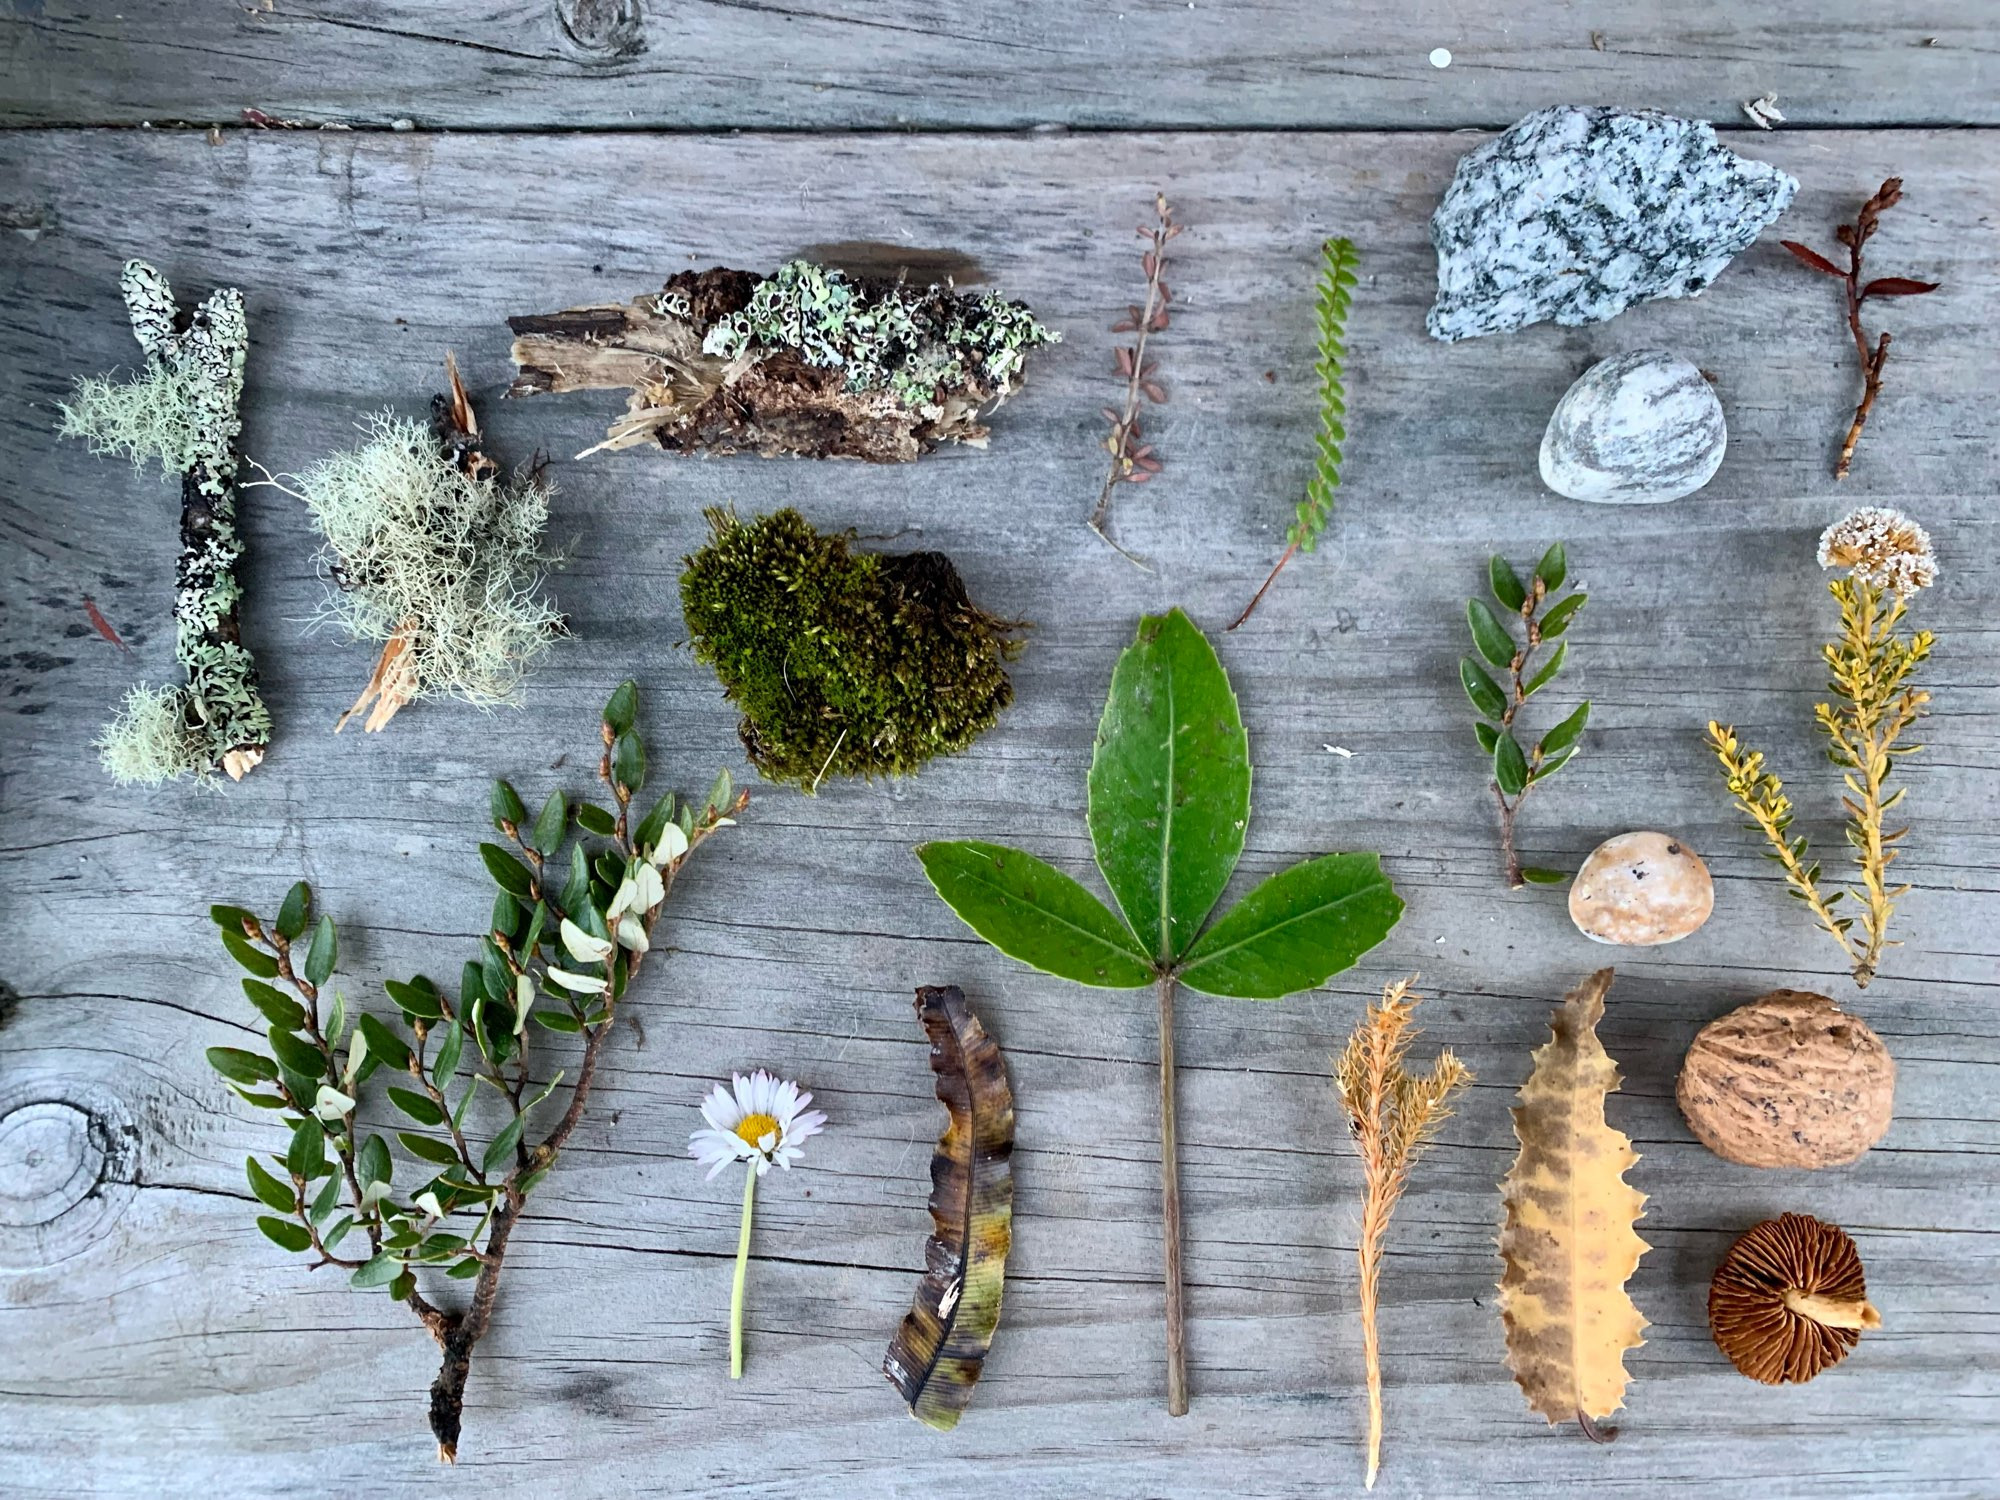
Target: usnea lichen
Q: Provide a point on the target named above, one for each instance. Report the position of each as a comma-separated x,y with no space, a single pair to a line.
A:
887,337
182,410
845,663
445,558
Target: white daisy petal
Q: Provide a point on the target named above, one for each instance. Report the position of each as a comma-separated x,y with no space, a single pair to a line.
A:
745,1097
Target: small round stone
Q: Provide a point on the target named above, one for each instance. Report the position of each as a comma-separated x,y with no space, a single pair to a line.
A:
1639,890
1788,1080
1635,429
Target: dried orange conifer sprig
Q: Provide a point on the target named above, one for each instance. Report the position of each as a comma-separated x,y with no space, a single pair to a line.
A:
1393,1115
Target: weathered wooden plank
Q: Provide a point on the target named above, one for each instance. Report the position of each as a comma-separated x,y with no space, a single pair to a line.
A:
154,1339
895,64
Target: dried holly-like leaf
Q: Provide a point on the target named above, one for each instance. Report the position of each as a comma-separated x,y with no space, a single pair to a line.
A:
937,1354
1812,258
1897,286
1568,1240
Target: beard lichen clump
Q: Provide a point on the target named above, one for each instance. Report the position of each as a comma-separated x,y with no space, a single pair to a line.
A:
808,362
845,663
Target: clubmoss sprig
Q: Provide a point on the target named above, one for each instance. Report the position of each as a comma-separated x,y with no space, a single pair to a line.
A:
1854,236
1874,705
1517,772
1392,1114
1338,258
183,410
567,938
1132,458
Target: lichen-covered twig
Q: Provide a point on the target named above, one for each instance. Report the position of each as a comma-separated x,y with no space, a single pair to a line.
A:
1870,667
435,553
1132,458
183,411
807,362
1874,357
1393,1115
1517,772
567,939
1336,289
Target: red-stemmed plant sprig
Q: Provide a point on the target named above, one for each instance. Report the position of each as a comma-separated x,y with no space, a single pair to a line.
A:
1133,460
1873,358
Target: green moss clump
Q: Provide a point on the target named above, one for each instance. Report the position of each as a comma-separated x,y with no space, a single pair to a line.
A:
846,663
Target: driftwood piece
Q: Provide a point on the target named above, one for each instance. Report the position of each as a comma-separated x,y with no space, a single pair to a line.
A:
886,378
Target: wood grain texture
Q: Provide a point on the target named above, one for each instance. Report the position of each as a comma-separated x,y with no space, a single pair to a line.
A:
151,1341
915,64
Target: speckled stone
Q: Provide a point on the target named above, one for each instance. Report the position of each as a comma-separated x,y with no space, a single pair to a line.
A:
1640,890
1635,429
1577,212
1789,1080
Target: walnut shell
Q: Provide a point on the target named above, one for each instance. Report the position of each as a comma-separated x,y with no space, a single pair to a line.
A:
1789,1300
1640,890
1789,1080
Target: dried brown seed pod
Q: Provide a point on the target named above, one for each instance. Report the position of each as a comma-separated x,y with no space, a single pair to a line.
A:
1788,1080
1789,1300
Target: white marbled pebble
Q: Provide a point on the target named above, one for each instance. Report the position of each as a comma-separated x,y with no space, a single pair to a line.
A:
1635,429
1639,890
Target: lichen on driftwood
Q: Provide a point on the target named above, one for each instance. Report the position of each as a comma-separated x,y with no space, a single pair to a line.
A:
808,362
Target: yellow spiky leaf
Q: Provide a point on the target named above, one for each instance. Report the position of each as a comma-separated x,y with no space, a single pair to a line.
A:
1568,1239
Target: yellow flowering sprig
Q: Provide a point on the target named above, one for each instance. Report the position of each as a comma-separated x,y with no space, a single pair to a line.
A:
1870,666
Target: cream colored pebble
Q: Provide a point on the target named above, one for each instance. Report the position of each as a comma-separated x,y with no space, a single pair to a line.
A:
1639,890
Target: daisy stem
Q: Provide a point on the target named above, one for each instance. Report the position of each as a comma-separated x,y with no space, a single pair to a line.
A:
742,1267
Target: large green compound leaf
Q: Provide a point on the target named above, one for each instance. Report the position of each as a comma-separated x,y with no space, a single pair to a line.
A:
1296,930
1032,911
1169,784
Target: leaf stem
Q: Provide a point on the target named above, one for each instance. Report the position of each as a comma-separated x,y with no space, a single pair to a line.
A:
1511,859
742,1269
1170,1206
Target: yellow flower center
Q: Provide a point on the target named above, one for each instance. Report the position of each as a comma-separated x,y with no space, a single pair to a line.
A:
753,1128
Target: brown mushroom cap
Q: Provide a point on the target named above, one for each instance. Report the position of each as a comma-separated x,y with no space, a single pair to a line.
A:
1788,1080
1789,1300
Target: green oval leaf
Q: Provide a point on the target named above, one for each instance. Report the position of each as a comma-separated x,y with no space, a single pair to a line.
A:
1553,568
306,1156
1545,674
628,762
285,1234
1486,734
269,1190
384,1044
230,918
372,1163
323,954
594,819
1296,929
1565,734
551,823
506,806
1031,911
576,888
1506,583
263,965
295,913
1557,620
1510,766
500,1150
239,1066
274,1005
297,1054
438,1153
445,1067
621,710
418,999
419,1107
1482,690
1536,875
380,1271
1488,634
508,872
1169,784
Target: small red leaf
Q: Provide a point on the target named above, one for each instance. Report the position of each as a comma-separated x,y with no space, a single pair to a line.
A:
1137,476
1125,325
1149,262
1897,286
1166,292
1109,415
1154,394
102,625
1149,465
1159,321
1123,356
1812,258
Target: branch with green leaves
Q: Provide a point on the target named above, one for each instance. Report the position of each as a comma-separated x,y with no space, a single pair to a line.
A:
568,936
1543,619
1336,290
1169,808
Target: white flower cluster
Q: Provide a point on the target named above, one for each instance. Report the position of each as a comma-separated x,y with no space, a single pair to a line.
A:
1881,546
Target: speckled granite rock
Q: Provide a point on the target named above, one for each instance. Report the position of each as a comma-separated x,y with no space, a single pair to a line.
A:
1635,429
1576,213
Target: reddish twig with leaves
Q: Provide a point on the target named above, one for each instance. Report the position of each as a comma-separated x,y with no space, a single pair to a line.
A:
1854,236
1132,458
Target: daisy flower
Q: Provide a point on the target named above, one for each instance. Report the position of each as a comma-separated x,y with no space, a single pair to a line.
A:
1880,546
763,1121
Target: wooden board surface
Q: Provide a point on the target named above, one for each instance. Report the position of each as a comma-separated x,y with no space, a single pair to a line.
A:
152,1342
914,64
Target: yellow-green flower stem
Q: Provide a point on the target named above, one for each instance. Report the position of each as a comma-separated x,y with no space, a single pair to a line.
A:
742,1267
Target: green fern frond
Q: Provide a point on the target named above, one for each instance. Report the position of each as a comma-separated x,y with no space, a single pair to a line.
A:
1338,259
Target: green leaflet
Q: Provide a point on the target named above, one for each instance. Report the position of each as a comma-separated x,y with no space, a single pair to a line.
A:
941,1346
1169,784
1296,930
1032,911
